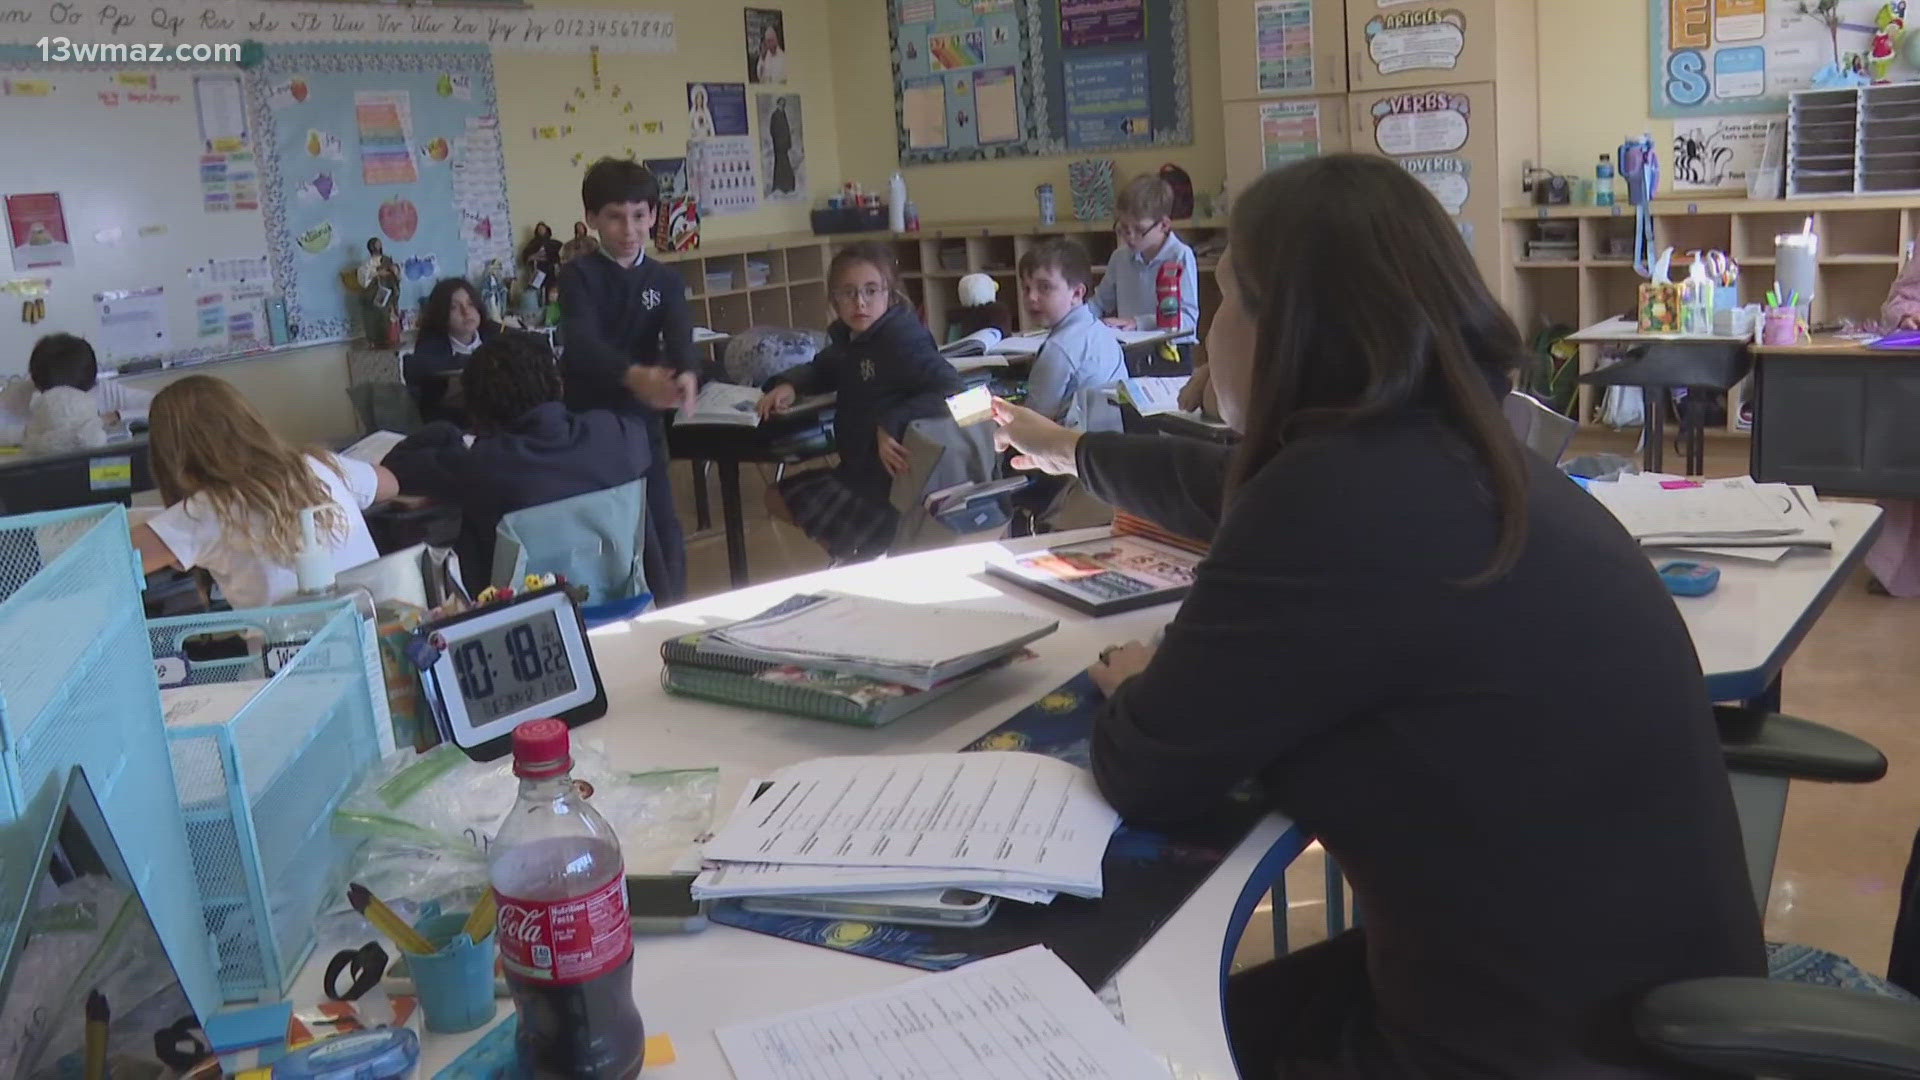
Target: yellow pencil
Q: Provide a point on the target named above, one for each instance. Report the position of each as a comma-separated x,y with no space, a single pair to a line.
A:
385,921
480,923
97,1016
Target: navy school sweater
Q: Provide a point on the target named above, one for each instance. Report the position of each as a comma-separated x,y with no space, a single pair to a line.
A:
616,316
887,377
548,454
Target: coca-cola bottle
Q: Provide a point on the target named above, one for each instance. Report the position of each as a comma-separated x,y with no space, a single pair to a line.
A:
564,935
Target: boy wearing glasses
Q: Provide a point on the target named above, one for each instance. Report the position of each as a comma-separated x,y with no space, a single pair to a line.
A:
1128,297
888,372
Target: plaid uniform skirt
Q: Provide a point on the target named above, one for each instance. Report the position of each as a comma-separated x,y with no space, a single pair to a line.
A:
847,523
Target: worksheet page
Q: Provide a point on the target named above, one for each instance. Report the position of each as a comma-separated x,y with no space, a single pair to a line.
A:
1021,1016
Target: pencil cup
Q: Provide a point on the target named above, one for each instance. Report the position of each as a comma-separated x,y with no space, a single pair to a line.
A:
455,985
1780,326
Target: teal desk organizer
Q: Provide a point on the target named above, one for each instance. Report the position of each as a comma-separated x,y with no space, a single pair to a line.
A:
259,786
77,688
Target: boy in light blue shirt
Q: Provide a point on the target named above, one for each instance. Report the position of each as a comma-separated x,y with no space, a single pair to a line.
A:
1128,296
1080,354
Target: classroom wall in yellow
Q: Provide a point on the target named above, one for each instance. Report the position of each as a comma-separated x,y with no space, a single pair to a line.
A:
1594,82
543,181
1003,189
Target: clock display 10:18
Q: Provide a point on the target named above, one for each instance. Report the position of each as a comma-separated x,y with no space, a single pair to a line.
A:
513,667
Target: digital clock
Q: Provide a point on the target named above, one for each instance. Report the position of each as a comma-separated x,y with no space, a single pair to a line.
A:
499,666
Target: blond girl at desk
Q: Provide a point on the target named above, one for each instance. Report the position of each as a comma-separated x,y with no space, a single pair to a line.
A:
234,491
1397,634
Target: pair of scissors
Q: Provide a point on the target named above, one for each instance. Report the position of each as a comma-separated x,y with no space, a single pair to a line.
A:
364,966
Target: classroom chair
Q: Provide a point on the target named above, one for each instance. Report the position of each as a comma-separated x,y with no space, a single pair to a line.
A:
1698,368
421,575
385,406
942,454
1544,431
597,540
1816,1016
1765,752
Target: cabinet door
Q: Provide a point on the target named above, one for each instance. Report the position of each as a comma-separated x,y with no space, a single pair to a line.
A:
1446,137
1393,43
1263,135
1282,48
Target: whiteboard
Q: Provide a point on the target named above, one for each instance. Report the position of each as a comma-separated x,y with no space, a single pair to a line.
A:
123,149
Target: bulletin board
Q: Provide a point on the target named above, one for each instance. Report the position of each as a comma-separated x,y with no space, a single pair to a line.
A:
985,79
143,206
1723,57
400,143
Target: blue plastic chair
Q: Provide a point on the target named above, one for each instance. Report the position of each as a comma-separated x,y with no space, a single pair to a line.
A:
594,540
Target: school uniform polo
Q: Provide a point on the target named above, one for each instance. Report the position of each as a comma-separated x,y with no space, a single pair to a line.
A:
1080,353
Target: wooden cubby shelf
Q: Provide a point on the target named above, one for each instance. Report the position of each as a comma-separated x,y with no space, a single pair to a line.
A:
1864,241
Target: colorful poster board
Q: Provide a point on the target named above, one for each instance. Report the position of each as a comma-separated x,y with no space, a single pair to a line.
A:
1412,43
1444,137
1727,57
978,79
359,142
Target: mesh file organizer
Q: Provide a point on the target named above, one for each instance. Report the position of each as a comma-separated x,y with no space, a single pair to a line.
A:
260,775
77,688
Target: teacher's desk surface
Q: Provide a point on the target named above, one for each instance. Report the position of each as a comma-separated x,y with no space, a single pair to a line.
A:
688,985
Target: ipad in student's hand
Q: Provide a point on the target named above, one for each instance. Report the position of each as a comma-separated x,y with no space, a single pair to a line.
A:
971,407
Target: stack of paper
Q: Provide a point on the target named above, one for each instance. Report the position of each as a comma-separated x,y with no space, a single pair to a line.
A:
1020,826
1734,512
915,645
1021,1016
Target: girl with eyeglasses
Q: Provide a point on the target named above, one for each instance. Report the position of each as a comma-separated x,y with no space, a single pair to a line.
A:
888,372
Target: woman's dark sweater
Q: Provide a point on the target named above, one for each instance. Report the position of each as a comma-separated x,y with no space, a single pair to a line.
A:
1522,781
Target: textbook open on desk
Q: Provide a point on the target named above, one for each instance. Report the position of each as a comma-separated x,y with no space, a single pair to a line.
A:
730,405
1117,573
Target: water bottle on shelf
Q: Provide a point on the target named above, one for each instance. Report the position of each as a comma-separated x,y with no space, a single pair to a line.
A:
1603,181
564,937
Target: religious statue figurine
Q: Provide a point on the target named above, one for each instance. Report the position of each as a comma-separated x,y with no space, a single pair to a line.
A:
379,279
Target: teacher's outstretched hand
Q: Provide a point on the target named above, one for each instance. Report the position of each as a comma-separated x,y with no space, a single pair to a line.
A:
1041,443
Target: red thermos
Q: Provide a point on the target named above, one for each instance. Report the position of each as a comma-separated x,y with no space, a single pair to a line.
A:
1166,295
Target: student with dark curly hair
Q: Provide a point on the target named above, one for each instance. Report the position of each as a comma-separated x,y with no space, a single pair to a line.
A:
528,448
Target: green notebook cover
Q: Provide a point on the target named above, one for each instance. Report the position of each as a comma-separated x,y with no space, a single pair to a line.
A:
808,692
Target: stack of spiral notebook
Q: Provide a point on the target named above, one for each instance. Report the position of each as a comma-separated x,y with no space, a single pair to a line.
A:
851,660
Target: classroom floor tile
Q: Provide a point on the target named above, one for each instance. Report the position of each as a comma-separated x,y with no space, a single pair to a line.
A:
1843,848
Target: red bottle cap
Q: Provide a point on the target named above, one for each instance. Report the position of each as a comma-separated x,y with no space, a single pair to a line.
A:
542,748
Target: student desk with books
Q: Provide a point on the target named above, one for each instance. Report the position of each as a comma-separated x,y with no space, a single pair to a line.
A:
1838,415
688,985
788,439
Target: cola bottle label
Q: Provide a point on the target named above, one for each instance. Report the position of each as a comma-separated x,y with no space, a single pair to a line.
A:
559,942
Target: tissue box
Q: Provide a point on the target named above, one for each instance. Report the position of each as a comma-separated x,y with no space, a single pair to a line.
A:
1659,308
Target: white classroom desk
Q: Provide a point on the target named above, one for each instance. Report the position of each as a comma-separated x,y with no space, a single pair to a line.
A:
1621,330
688,985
